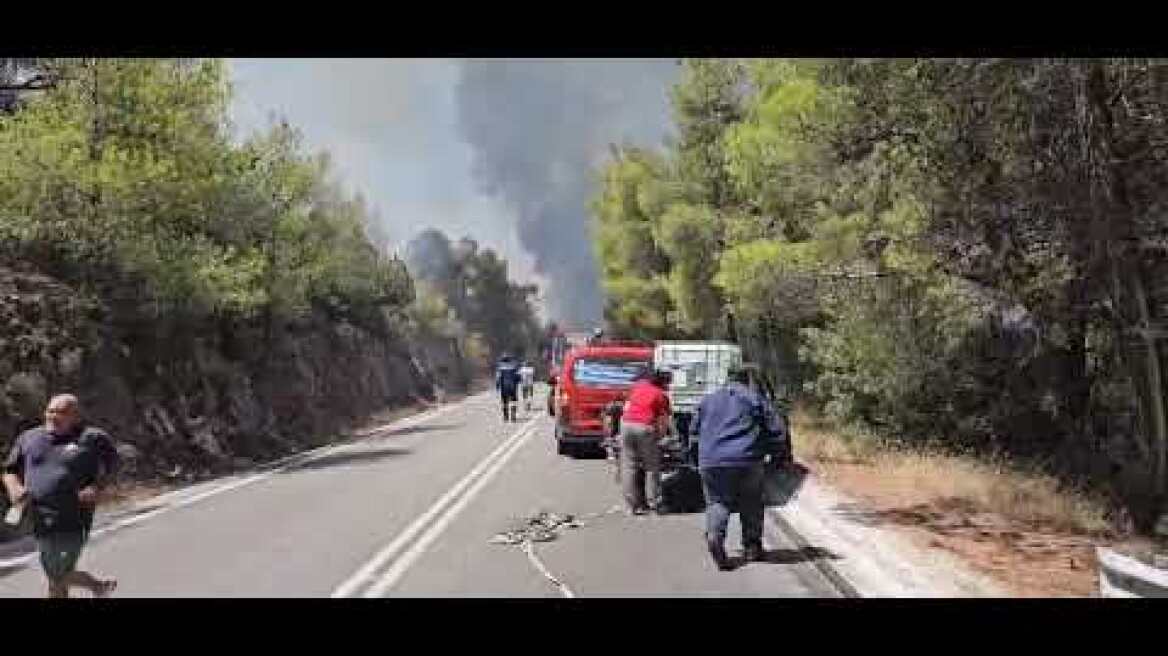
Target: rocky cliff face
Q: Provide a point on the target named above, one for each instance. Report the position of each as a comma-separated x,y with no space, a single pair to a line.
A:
187,399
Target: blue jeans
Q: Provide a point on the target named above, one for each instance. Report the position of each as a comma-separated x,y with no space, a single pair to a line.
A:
734,489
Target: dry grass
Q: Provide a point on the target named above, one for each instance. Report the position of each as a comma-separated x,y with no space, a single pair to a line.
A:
1017,526
913,476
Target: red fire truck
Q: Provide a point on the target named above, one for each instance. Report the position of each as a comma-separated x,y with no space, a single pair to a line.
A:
592,376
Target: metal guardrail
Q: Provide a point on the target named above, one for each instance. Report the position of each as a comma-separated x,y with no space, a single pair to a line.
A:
1125,577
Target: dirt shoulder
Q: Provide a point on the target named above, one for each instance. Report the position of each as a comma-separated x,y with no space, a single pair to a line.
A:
1018,529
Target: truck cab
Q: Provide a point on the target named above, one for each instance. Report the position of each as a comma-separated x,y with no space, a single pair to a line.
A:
592,376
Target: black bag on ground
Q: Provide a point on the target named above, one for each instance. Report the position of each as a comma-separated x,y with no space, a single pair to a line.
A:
681,490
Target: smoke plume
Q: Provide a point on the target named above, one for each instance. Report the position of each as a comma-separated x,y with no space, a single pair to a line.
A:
539,131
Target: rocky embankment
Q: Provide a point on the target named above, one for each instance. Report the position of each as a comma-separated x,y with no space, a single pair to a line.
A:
188,399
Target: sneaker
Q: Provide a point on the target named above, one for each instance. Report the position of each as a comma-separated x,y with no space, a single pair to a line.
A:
718,553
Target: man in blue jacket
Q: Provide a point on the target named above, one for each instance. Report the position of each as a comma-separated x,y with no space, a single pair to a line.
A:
737,431
507,383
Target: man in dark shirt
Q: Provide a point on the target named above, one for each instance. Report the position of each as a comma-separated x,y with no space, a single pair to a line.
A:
507,383
56,471
737,431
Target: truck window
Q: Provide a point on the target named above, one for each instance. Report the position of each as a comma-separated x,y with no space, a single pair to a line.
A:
595,372
688,373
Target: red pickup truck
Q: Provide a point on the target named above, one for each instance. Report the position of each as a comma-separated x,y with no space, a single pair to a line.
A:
592,376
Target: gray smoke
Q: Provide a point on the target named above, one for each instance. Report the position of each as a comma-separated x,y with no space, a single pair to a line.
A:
430,257
540,130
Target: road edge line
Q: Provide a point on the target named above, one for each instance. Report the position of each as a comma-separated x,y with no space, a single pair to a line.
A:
837,580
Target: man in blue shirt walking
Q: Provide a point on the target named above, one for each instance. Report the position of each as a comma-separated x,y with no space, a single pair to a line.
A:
738,430
57,470
507,383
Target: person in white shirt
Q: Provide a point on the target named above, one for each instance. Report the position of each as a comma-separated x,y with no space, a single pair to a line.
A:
527,382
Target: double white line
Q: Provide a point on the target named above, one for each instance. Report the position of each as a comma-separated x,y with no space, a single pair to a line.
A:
386,567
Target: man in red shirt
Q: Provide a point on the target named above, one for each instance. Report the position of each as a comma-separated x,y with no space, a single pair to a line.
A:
644,420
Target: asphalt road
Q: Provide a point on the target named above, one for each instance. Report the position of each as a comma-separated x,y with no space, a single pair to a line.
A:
410,512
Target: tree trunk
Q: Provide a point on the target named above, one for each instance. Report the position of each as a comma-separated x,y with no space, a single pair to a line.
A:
1116,229
1155,391
1077,395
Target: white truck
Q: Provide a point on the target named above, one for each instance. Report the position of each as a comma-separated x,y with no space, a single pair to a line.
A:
698,368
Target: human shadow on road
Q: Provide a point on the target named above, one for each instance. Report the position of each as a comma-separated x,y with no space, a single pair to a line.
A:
351,458
590,453
786,557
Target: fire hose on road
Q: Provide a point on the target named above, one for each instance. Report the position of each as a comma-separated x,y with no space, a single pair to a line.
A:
545,527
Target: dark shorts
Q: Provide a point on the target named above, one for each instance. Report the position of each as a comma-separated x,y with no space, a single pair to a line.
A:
59,552
508,395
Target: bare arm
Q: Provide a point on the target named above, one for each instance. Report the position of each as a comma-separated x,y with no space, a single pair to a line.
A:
13,473
14,488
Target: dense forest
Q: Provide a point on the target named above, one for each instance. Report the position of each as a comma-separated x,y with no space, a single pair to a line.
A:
964,254
214,297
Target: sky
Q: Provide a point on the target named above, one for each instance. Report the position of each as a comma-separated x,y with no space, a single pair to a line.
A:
503,151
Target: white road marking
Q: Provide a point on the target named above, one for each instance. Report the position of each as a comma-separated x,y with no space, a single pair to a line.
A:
402,564
14,563
276,467
365,574
529,549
